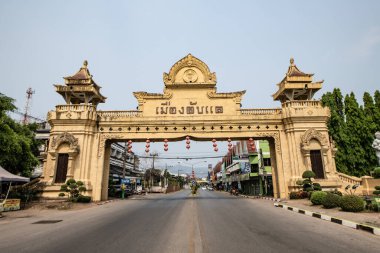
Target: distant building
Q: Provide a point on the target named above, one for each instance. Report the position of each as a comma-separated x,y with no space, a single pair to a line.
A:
247,168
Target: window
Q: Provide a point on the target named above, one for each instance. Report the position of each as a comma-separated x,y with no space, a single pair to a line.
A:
266,161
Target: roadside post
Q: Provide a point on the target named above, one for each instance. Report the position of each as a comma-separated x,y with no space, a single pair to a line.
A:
123,187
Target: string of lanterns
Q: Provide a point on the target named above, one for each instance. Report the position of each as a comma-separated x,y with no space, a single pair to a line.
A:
251,143
229,144
147,145
187,142
130,146
215,145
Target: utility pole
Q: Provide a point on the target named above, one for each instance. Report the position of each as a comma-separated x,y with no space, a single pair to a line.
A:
29,93
151,170
124,158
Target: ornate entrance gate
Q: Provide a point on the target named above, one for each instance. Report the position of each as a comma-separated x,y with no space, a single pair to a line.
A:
189,106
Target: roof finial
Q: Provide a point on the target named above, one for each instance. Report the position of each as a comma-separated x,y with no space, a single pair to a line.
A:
292,61
85,63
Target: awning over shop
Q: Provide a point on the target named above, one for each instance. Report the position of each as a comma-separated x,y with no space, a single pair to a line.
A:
234,167
6,176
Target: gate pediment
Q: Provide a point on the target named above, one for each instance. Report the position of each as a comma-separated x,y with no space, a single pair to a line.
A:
190,90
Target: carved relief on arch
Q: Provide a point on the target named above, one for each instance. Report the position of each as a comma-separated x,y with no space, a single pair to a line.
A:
275,136
65,138
313,134
104,138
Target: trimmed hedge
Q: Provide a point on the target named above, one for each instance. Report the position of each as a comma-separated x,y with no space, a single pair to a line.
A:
317,197
83,199
331,200
298,195
308,174
352,203
377,192
376,172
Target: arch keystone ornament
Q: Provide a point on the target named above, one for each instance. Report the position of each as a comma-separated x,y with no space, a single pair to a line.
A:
189,106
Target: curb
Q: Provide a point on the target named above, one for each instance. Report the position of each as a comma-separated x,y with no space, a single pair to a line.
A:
351,224
259,197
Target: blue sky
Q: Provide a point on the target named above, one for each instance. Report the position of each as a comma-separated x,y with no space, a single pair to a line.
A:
129,44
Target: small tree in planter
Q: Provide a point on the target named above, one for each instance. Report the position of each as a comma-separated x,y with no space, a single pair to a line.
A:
375,203
74,189
308,184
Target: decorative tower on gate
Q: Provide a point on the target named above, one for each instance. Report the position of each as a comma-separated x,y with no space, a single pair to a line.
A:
81,88
305,126
73,143
296,85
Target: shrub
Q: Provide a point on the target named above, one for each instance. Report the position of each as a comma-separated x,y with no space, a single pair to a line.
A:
352,203
83,199
308,174
317,187
73,189
293,195
331,200
304,195
376,172
336,192
377,192
317,197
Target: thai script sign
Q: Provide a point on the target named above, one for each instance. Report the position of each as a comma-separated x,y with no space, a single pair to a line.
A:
189,110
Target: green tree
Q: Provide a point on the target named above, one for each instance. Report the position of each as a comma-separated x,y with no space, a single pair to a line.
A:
377,110
18,147
337,126
357,129
371,115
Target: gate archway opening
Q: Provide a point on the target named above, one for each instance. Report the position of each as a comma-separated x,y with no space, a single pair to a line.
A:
244,164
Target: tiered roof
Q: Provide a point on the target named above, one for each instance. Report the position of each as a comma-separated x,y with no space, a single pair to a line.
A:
81,88
296,85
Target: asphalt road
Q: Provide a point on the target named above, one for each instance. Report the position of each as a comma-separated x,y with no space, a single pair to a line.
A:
178,222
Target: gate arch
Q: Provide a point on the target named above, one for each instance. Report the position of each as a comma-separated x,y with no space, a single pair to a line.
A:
191,106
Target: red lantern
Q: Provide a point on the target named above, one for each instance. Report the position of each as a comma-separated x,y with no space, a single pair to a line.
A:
214,145
229,139
188,142
147,150
213,140
166,145
129,146
166,149
147,140
129,150
188,146
187,138
166,140
129,142
216,149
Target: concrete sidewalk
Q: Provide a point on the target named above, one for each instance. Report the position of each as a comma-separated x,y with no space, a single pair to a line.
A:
365,217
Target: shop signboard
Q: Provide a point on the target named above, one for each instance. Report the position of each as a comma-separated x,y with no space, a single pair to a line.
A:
11,205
